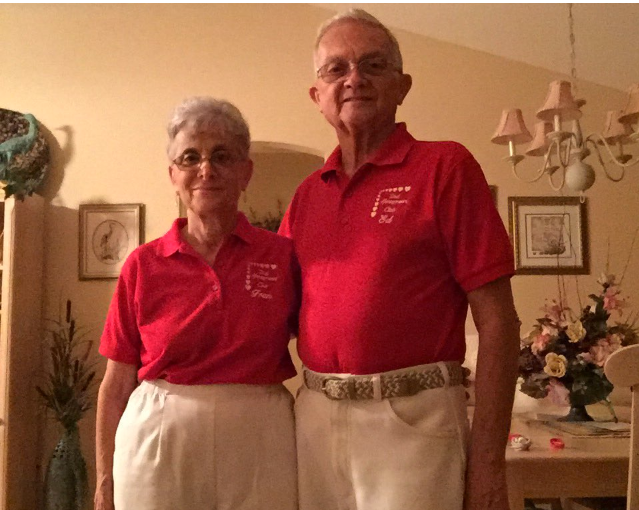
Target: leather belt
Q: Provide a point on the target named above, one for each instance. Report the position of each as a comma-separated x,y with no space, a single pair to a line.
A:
403,384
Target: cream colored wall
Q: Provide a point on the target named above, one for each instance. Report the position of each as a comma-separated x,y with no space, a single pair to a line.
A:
103,78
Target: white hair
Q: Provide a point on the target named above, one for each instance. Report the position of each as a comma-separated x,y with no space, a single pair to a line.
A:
207,113
361,16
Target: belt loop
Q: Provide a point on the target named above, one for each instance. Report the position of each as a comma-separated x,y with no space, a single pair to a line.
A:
444,370
377,386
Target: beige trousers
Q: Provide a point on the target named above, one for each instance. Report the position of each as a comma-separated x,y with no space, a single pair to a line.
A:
213,447
404,453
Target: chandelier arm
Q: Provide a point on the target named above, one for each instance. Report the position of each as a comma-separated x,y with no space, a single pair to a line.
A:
591,138
603,164
563,161
539,175
563,180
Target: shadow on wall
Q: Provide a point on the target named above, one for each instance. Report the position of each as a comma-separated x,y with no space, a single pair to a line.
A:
60,158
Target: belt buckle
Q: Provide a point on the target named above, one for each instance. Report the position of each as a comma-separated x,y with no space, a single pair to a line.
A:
324,389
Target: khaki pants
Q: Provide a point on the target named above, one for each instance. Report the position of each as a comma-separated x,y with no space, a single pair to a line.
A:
213,447
404,453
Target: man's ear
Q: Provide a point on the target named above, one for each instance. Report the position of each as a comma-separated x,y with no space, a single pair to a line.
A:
405,84
314,94
247,174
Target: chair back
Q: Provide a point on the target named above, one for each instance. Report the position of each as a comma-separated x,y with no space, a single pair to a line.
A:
622,369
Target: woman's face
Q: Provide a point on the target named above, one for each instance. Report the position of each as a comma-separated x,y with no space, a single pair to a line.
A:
215,184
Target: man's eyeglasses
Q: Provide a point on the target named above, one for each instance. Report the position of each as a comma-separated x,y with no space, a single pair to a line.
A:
340,69
193,160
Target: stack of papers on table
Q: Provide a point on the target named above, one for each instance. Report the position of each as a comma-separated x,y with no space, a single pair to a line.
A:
587,428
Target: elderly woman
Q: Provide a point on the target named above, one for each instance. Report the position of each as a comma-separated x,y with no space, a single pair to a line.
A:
201,319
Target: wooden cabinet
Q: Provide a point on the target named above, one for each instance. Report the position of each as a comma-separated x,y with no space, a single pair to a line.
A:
21,272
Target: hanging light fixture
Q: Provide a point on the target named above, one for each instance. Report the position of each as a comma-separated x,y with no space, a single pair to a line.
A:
558,138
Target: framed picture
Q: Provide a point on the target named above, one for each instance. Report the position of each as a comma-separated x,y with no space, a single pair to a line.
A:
493,192
549,234
108,234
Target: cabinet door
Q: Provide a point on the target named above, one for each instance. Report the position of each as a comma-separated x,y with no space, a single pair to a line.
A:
20,351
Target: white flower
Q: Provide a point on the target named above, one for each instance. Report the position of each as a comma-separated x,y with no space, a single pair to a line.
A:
530,336
575,331
549,330
606,279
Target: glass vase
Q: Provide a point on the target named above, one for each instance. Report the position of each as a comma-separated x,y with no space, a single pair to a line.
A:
66,483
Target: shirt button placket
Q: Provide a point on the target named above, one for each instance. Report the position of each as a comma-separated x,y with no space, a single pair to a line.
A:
216,295
345,220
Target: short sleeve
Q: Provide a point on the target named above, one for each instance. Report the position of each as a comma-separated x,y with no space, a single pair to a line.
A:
477,244
120,339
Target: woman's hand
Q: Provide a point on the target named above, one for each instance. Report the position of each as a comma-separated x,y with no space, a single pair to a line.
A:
117,385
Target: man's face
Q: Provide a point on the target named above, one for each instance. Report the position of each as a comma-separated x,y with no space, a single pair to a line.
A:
358,101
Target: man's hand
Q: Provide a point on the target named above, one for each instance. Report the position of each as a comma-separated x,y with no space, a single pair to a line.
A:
103,499
498,326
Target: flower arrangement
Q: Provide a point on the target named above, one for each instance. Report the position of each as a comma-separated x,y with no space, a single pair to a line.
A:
563,356
69,387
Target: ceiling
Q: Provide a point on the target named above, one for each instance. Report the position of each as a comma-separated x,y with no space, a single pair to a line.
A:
607,35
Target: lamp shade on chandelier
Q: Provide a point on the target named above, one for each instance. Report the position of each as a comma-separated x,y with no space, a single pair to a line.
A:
558,138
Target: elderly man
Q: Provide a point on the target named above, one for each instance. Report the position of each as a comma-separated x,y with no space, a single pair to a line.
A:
395,238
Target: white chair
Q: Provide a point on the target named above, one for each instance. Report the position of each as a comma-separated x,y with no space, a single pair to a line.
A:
622,369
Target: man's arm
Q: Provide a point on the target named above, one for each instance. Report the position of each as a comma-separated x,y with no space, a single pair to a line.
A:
119,382
496,320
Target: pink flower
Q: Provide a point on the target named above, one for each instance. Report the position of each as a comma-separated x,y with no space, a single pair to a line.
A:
585,356
540,343
603,348
558,393
611,300
555,312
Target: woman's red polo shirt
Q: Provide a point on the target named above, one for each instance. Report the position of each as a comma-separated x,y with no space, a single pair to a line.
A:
179,319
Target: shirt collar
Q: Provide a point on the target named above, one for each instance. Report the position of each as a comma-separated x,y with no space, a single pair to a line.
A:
173,242
392,152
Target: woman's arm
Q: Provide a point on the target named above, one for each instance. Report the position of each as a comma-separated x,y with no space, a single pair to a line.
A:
119,382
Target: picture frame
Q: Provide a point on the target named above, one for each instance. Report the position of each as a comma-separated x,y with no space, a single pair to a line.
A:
549,235
108,233
493,193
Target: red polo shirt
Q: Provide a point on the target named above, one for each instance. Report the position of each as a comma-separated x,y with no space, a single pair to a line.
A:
388,256
179,319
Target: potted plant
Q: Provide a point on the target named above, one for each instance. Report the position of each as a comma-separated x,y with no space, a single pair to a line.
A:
68,392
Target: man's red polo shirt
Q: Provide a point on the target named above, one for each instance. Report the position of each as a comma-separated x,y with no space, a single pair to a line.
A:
179,319
388,256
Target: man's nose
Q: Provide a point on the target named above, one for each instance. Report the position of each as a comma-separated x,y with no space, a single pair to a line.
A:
354,77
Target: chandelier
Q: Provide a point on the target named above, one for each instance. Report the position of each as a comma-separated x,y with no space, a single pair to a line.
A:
559,140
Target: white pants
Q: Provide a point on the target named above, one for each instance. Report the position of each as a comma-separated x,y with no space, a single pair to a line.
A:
404,453
213,447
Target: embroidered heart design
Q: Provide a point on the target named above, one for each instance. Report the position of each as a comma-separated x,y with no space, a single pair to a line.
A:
273,266
407,188
400,189
247,287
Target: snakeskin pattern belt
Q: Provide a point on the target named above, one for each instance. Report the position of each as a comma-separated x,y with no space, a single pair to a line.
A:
403,384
